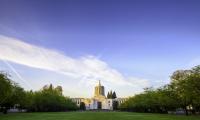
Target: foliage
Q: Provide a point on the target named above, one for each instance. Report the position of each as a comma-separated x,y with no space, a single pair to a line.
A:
182,92
47,99
18,97
5,88
11,93
51,99
159,101
82,106
115,105
114,95
111,95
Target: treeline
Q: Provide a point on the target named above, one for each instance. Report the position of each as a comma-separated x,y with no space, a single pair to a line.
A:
183,93
111,95
46,99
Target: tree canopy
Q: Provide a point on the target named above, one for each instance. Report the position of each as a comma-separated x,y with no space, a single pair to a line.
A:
46,99
111,95
182,92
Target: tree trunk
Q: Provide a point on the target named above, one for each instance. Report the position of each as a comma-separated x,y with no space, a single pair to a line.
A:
5,111
186,111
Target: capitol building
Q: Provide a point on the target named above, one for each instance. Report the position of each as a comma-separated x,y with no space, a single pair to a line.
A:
99,100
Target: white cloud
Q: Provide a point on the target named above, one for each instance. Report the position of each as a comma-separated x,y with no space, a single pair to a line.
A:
86,68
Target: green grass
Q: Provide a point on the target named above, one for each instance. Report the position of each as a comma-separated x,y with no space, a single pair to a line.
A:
94,116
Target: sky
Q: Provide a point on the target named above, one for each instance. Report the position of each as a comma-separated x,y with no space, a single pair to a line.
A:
127,44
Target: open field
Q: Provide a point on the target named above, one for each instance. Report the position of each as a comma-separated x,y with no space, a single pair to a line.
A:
94,116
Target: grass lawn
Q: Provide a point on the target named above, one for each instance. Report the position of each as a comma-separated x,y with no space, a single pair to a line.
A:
94,116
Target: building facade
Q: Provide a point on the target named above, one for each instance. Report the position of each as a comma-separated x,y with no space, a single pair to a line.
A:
99,101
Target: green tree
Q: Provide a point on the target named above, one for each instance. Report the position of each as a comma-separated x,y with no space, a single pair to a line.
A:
108,95
111,95
49,99
182,92
11,93
82,106
151,100
5,89
194,88
59,90
182,87
114,95
115,105
18,97
29,100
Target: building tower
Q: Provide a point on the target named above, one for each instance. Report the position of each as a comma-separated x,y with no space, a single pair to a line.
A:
99,90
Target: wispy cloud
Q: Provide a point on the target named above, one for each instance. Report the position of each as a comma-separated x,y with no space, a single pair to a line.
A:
85,68
17,74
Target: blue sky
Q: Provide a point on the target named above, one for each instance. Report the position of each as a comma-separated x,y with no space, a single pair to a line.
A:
129,45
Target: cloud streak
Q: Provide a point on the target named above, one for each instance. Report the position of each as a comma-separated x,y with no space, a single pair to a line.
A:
17,74
85,68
